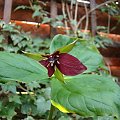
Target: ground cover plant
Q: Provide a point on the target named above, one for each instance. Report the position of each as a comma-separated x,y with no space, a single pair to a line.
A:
82,89
14,39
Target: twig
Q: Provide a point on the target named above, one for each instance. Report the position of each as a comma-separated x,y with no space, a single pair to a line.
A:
21,87
68,12
76,11
69,16
87,18
64,15
108,29
71,8
75,19
30,2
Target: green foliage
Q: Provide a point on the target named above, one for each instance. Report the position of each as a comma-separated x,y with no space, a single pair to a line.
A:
8,111
9,86
23,7
91,58
16,105
11,37
25,69
88,54
112,9
88,95
102,42
54,22
14,39
37,7
59,41
42,105
25,88
39,11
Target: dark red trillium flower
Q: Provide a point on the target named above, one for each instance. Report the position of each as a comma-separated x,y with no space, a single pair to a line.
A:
66,63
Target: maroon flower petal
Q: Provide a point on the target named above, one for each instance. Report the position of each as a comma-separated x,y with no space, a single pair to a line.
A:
51,71
46,64
69,65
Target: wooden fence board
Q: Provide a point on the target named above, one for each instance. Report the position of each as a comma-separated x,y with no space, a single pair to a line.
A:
42,30
115,70
112,61
110,52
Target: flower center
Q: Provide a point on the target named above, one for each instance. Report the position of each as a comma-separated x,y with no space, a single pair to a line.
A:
53,60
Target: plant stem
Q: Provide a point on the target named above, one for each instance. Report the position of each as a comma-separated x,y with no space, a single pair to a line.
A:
93,18
51,112
64,15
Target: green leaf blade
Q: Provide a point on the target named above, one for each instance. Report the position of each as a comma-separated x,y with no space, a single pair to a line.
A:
59,41
88,95
20,68
90,58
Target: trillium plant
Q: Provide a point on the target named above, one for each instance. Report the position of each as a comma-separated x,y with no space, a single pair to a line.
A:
80,82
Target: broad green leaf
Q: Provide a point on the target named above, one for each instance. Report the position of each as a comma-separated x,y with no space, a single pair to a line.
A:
34,56
88,95
89,57
59,41
21,68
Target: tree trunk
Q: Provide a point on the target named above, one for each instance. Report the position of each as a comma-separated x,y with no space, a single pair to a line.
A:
53,14
93,18
7,11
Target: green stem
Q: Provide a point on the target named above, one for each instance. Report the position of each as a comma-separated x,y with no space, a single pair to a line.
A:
51,112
